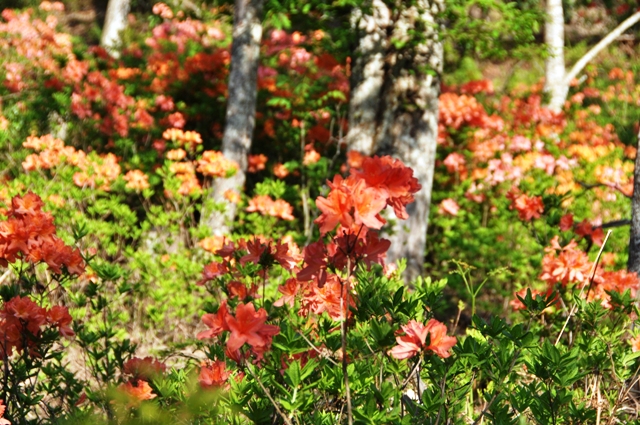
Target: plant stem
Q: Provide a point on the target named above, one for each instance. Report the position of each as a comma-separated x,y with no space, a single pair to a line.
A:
594,267
344,306
266,392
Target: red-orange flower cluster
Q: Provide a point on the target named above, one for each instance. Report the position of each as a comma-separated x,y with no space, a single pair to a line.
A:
264,205
247,326
21,323
359,199
528,207
214,375
146,368
30,235
565,264
137,391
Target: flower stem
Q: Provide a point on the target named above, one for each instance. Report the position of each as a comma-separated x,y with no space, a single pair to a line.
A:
344,306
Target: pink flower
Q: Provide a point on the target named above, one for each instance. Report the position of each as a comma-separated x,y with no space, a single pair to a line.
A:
449,206
415,336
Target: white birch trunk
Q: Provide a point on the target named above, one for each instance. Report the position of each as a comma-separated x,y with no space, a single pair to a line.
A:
602,44
241,108
557,80
554,83
114,22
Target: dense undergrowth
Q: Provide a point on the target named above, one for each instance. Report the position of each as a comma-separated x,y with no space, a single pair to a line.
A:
119,307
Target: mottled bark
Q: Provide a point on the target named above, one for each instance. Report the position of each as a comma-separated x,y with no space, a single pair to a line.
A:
367,74
114,22
409,124
241,108
554,83
405,117
633,263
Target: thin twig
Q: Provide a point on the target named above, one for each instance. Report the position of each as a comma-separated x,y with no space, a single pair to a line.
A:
323,355
598,401
594,267
624,392
266,392
413,371
343,303
4,276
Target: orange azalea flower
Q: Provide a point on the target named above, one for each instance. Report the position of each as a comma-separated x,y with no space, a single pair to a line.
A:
217,323
455,163
177,120
280,171
212,243
138,391
215,164
59,316
415,336
335,208
136,180
213,374
618,281
354,159
528,207
267,206
162,10
248,326
635,343
440,343
281,209
176,154
190,138
3,421
256,249
212,271
327,298
289,292
147,368
21,322
29,233
259,203
392,178
566,222
256,163
449,206
237,289
315,255
311,157
367,204
232,196
56,200
570,265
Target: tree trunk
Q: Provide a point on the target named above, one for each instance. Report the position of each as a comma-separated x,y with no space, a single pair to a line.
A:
241,108
602,44
114,22
554,83
557,80
633,263
405,116
367,75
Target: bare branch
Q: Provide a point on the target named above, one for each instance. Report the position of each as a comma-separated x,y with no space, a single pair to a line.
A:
579,66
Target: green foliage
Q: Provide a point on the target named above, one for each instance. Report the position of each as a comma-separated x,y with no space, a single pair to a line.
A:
567,356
